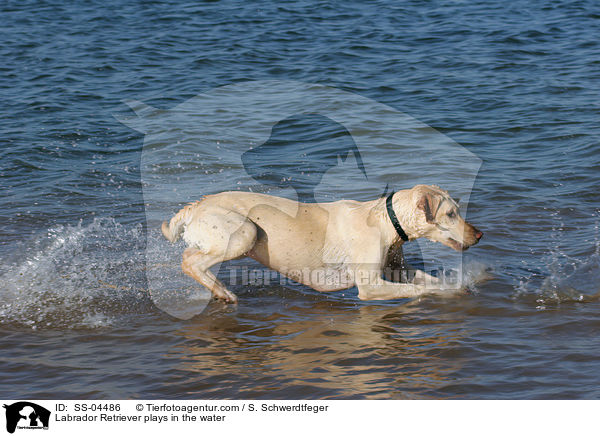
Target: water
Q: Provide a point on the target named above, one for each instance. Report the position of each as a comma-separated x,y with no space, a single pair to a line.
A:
514,84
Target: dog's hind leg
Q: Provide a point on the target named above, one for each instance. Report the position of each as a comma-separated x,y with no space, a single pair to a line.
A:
214,238
196,265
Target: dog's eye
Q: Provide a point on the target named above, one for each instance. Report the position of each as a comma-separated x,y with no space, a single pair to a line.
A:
451,214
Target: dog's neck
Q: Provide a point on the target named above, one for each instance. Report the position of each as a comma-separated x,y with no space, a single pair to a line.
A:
405,217
389,205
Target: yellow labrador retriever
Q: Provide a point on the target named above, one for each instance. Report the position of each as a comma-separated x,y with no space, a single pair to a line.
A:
327,246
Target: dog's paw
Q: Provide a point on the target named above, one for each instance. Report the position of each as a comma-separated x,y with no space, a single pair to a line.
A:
227,297
445,289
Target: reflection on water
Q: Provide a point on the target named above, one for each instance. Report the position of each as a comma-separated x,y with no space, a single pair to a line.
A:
328,348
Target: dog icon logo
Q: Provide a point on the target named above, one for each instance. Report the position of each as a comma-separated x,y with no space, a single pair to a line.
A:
300,150
302,141
26,415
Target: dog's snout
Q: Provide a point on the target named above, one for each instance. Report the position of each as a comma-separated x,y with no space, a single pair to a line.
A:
478,235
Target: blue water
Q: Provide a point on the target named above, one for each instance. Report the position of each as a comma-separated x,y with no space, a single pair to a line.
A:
515,84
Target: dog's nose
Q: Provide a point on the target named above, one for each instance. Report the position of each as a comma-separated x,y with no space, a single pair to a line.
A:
479,235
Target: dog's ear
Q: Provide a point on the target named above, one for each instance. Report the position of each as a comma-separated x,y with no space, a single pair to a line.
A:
426,204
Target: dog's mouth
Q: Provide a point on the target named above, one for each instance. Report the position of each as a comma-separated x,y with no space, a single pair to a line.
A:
458,246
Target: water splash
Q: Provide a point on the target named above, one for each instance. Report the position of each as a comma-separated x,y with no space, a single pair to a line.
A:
83,276
569,279
469,276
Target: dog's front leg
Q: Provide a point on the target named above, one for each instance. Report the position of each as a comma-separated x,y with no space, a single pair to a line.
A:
371,286
425,279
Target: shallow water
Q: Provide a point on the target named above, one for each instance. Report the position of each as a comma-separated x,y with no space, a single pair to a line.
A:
82,311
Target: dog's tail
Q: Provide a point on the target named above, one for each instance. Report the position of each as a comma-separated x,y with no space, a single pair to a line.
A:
172,233
174,228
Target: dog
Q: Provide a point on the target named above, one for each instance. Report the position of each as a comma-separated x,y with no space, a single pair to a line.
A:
326,246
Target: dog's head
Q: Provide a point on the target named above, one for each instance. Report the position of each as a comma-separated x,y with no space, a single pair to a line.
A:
438,218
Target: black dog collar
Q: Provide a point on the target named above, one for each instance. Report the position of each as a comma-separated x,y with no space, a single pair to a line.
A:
394,219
